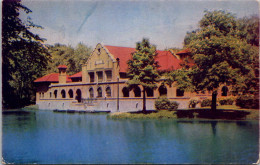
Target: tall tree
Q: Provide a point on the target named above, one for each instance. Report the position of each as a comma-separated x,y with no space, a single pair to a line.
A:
67,55
221,56
23,53
143,68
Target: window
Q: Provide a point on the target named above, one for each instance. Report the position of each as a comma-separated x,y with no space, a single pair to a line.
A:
91,93
99,92
100,76
70,93
149,92
125,91
224,91
78,95
109,75
123,75
179,92
163,90
55,93
108,92
63,93
91,76
50,94
137,92
42,95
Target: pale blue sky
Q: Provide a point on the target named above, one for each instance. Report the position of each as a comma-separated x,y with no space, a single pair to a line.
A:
123,23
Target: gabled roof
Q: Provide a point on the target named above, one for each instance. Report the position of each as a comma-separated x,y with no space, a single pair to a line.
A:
165,59
77,75
52,77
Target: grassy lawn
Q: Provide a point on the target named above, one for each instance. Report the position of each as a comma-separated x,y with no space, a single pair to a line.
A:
229,112
163,114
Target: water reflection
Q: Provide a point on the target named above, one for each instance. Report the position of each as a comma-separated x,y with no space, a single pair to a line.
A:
48,137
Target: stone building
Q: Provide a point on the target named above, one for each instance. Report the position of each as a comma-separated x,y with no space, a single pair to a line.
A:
101,85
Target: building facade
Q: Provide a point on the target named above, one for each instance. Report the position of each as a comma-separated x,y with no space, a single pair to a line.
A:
101,85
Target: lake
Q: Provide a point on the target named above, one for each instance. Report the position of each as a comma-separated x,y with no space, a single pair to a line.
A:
41,136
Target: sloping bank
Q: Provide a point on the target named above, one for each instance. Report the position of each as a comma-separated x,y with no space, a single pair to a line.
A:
190,114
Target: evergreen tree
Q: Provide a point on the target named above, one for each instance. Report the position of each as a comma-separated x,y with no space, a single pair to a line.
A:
23,53
143,68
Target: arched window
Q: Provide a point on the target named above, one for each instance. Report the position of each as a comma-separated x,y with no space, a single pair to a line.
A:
163,90
125,91
99,92
50,94
137,92
91,93
70,93
224,91
55,93
63,93
78,95
108,92
149,92
179,92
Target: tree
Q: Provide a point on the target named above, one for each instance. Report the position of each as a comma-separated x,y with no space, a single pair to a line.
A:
220,55
143,68
23,53
67,55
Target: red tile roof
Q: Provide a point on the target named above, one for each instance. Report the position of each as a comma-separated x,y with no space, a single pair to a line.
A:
165,59
185,51
62,67
52,77
79,74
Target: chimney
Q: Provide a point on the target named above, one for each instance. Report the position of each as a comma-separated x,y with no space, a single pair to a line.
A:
62,74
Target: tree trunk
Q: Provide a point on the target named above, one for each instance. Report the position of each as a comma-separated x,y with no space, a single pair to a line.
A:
144,100
214,101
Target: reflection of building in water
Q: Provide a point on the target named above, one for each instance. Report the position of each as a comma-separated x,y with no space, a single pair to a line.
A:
101,85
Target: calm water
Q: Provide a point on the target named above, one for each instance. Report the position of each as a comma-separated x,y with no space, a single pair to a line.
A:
50,137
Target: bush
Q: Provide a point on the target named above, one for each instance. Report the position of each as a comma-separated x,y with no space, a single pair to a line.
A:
193,102
173,106
164,103
226,101
247,101
206,103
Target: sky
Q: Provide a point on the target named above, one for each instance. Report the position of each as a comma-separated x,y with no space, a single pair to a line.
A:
123,23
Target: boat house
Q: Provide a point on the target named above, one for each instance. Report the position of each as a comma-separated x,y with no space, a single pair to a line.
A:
101,85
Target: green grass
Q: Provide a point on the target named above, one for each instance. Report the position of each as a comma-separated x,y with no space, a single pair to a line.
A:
163,114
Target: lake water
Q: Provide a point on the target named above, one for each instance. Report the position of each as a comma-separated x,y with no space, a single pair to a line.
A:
49,137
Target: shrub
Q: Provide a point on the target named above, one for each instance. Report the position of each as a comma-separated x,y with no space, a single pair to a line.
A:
193,102
173,105
206,103
164,103
247,101
226,101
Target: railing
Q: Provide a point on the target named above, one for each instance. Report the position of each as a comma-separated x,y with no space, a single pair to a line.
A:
88,100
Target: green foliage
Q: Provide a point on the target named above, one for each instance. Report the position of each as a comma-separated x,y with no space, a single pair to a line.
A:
24,56
247,101
249,29
193,102
162,103
226,101
221,55
206,103
142,68
67,55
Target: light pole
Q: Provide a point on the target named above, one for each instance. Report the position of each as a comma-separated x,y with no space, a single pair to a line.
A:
117,93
